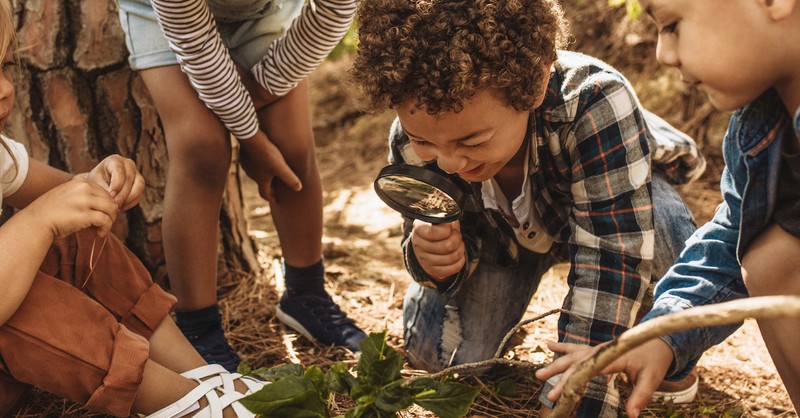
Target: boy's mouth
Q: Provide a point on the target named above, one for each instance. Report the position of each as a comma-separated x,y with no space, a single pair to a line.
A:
472,172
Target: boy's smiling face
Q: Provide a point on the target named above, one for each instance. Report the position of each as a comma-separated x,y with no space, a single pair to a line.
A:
475,143
725,48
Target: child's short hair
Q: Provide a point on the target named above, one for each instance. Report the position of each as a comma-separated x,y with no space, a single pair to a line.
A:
440,52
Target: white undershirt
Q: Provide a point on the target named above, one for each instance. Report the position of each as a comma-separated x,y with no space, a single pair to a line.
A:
520,214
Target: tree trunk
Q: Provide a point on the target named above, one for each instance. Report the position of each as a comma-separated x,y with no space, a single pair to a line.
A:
78,101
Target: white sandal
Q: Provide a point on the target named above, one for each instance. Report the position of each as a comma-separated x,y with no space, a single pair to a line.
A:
213,379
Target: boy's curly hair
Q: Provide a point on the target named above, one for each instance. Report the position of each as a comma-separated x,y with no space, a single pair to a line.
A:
441,52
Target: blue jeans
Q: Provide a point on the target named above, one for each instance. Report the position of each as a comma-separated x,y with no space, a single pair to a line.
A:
494,298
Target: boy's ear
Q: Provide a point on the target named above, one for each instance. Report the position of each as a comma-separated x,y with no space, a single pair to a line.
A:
778,9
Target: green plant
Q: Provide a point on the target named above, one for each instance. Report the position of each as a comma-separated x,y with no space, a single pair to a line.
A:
377,387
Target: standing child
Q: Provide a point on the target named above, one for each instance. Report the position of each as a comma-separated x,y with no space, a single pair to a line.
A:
80,316
752,245
561,161
215,67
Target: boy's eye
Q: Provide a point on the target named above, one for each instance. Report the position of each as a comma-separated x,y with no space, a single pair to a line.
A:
472,145
669,28
418,142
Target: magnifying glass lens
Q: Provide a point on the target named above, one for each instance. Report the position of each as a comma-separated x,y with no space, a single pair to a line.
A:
420,193
417,196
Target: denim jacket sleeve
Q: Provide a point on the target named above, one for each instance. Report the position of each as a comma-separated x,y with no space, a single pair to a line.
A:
707,272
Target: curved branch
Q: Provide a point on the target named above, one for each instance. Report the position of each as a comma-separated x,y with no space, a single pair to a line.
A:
765,307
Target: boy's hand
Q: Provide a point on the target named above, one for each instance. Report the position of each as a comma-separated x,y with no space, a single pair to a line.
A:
120,177
645,367
439,248
74,206
262,161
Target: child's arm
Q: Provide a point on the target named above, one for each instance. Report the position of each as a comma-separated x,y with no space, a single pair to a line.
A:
55,204
26,237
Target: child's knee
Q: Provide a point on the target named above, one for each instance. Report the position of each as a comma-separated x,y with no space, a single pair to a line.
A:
770,265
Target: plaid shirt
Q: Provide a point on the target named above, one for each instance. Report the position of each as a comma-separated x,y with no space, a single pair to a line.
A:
590,170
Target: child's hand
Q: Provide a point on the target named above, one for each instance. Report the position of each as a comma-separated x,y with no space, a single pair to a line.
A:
74,206
120,177
645,366
262,161
439,248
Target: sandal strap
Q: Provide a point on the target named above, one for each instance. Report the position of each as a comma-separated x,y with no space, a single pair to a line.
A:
204,389
203,372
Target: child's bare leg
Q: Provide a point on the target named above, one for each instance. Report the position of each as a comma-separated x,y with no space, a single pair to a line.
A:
199,159
160,387
305,305
169,347
771,266
297,215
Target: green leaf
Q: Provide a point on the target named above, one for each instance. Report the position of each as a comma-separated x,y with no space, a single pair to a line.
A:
278,372
339,379
243,369
317,377
393,398
290,396
450,399
506,388
379,364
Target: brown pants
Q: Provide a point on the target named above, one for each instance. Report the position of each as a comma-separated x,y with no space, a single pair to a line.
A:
87,344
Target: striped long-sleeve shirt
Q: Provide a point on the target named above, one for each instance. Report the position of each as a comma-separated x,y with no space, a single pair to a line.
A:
191,31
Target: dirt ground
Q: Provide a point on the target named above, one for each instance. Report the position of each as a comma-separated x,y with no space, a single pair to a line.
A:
364,263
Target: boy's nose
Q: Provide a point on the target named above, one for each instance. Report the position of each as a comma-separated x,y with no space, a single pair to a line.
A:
450,163
667,53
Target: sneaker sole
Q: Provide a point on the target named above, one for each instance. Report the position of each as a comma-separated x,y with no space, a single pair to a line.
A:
292,323
685,396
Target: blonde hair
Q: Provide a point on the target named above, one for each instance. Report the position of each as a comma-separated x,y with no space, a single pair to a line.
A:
8,31
8,37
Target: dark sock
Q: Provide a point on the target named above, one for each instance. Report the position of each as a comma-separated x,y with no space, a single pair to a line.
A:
301,280
199,321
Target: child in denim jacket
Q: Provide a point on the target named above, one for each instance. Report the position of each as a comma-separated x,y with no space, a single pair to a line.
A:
562,162
752,245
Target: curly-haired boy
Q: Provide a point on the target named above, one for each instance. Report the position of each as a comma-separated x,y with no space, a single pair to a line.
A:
564,163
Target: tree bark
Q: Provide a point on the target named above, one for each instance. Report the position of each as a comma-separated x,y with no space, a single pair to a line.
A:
78,101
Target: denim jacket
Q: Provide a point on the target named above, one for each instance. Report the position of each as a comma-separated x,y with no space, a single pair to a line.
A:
709,268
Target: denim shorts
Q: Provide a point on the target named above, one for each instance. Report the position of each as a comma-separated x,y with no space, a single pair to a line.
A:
247,29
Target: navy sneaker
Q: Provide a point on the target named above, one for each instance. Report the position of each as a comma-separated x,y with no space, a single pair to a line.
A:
209,340
319,319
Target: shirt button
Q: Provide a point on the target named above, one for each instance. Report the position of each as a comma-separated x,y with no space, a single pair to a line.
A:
526,225
531,235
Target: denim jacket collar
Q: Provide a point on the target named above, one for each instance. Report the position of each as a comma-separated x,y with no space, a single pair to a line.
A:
759,123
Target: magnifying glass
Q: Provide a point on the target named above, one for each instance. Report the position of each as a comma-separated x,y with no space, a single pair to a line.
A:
420,193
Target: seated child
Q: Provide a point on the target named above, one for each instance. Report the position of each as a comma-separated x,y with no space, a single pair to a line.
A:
562,161
751,246
80,316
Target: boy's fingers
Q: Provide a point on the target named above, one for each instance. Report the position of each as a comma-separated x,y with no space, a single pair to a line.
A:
287,176
644,386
